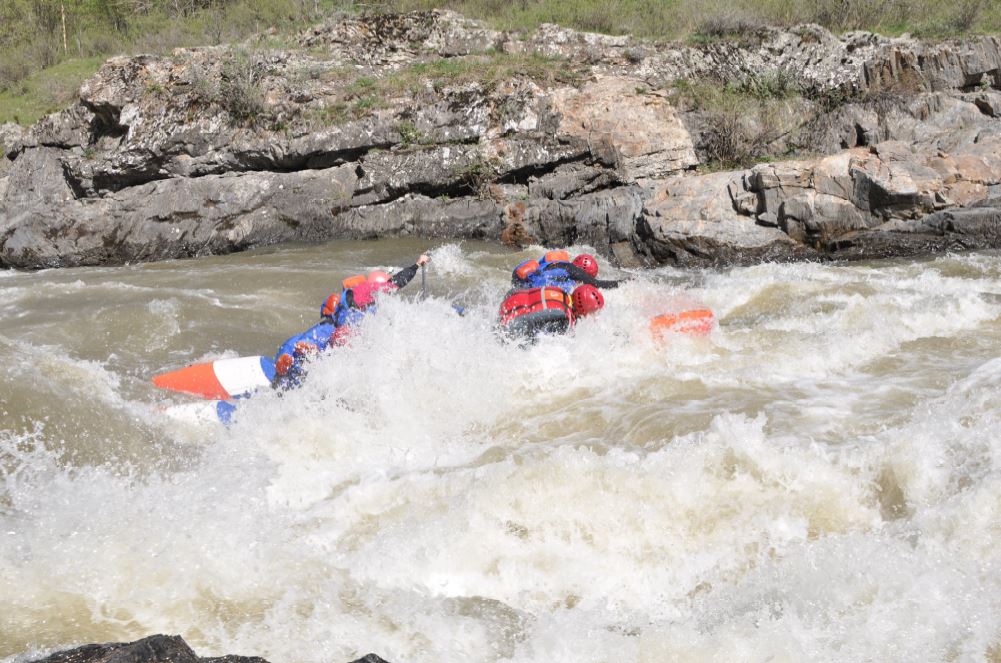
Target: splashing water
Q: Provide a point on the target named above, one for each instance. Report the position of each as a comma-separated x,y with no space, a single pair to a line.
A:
820,479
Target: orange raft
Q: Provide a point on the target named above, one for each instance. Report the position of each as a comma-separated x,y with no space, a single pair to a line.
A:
694,322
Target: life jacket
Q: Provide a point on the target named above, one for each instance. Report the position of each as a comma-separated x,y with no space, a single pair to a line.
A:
551,270
293,352
351,309
537,310
330,304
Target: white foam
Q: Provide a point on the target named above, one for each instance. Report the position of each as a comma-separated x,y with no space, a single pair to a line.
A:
819,479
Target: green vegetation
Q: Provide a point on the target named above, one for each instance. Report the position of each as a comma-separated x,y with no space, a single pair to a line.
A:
742,123
359,96
41,64
48,46
239,87
491,69
476,175
682,19
44,92
739,121
762,118
411,135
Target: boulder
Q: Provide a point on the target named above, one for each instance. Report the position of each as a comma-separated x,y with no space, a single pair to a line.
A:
154,649
691,221
642,127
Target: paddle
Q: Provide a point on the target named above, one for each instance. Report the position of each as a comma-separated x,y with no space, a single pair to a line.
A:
424,279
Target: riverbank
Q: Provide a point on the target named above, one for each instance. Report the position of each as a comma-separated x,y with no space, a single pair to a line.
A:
430,124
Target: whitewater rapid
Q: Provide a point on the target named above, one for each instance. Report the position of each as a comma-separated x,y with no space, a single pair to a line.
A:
819,479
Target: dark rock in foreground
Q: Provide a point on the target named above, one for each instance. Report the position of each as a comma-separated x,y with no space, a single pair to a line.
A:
154,649
220,149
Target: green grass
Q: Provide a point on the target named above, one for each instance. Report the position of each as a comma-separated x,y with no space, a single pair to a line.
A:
46,91
649,18
684,19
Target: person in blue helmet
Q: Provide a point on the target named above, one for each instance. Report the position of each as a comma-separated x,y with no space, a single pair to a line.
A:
338,313
557,270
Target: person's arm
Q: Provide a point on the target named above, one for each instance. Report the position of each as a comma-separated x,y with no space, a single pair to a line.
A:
579,275
405,276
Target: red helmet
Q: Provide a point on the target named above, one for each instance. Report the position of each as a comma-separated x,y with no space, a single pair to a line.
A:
586,300
587,262
378,276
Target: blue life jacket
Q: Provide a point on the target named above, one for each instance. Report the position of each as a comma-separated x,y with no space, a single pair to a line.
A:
546,274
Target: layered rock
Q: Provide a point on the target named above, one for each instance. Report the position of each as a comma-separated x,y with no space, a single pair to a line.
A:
430,124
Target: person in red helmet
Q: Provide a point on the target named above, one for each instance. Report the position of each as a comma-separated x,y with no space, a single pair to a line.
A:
556,269
547,310
337,313
359,293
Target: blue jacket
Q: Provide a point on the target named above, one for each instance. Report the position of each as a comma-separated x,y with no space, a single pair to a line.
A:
555,274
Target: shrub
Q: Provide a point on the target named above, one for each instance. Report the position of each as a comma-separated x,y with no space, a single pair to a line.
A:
966,15
239,87
728,24
738,124
774,84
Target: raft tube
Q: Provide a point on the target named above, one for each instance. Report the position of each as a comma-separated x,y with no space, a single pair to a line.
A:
220,380
693,322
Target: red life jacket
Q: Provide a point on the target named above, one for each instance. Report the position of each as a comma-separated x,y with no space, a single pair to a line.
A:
536,310
364,293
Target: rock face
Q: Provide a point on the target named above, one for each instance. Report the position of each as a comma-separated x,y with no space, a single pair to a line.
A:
431,124
154,649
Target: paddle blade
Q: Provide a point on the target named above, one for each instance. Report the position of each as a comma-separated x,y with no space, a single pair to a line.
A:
694,322
221,379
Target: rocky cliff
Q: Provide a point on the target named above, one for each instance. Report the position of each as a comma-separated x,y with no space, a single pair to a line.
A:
433,125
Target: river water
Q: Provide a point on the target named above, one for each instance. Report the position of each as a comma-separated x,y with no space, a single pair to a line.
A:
819,479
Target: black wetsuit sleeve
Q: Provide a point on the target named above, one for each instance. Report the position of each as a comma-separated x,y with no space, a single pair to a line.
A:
404,276
579,275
